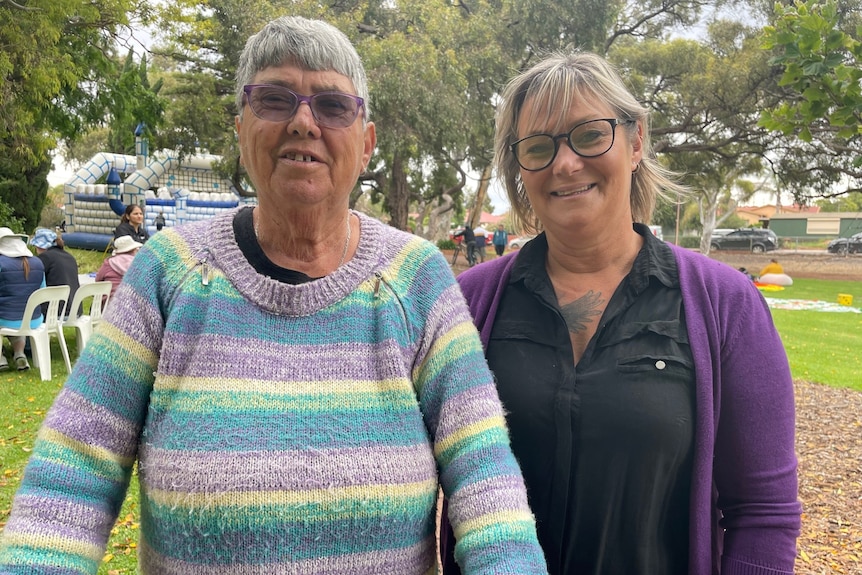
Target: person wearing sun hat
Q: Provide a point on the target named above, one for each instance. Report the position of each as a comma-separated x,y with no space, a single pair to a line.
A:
115,267
61,269
21,273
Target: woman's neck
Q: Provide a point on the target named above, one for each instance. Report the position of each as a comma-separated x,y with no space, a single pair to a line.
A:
610,252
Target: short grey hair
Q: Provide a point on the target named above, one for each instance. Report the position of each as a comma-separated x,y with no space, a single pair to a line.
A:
311,44
557,82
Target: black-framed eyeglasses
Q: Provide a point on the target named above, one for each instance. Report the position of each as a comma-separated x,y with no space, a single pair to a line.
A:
279,104
588,139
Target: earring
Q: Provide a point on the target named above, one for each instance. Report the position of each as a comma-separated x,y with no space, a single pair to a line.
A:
637,167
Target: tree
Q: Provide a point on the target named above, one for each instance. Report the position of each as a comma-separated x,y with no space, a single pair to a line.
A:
705,98
850,202
435,70
58,65
821,63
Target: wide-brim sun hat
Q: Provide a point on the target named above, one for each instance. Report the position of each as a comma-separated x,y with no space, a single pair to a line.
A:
12,245
125,244
43,238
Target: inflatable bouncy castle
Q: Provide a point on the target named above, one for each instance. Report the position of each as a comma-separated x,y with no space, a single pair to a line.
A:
180,190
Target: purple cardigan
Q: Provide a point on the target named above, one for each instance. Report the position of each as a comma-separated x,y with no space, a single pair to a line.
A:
744,469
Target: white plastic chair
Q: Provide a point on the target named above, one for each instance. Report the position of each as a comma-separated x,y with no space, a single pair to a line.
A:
40,338
100,292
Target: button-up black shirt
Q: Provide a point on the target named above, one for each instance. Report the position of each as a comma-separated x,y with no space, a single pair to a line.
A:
605,445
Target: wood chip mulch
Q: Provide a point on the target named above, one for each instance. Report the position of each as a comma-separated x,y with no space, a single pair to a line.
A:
829,446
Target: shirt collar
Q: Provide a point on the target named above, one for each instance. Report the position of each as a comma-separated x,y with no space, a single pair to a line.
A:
655,259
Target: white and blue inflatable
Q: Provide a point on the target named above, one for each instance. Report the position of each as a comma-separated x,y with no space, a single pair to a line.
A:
183,190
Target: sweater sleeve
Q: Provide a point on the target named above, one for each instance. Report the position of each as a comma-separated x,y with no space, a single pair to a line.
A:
77,476
755,462
493,525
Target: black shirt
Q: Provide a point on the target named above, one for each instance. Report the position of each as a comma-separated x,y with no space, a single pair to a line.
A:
468,235
243,229
61,269
126,229
605,445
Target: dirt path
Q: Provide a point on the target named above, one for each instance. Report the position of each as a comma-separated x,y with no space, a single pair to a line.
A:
814,264
829,445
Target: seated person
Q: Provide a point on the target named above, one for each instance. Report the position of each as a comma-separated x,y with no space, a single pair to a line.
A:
773,274
115,267
61,269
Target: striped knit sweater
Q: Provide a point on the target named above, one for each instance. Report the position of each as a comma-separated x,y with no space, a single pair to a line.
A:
277,428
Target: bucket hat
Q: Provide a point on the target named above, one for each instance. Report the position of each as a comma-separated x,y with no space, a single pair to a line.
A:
43,238
125,244
12,245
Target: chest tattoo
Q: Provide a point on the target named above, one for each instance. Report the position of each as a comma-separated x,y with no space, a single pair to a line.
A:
578,313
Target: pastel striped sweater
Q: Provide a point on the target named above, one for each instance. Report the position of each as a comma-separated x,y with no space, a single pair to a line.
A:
277,428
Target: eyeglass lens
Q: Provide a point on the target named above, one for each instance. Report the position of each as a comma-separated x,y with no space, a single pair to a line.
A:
588,139
278,104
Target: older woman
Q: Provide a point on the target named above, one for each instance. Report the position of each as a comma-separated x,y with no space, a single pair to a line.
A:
289,377
115,267
648,395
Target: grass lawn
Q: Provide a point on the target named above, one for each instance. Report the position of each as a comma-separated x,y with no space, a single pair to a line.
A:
822,347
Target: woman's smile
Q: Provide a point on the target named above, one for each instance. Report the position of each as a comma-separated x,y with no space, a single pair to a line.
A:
569,192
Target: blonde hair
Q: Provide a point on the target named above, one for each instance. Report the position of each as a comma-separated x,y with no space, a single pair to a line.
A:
558,82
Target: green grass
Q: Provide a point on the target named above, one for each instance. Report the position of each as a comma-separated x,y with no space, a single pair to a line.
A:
823,290
88,260
26,400
822,347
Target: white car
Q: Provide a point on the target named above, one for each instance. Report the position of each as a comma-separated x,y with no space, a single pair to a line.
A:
519,242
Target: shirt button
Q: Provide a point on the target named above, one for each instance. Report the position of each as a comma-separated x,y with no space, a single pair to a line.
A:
660,364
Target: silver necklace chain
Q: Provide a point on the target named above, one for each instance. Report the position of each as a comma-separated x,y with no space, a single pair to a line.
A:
346,243
343,250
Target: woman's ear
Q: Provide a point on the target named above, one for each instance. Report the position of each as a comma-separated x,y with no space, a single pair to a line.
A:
238,124
638,144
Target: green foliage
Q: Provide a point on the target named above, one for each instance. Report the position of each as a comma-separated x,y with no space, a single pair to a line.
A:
734,221
852,202
446,244
132,102
8,219
60,76
814,45
822,63
24,190
690,242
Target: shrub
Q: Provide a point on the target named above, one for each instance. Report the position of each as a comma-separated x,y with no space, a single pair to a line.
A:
691,242
446,244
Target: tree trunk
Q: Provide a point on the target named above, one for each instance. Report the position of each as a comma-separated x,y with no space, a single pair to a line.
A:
439,219
480,196
399,194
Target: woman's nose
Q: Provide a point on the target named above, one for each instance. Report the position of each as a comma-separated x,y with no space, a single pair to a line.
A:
567,160
303,120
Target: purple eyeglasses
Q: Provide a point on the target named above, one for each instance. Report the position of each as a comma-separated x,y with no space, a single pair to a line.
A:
279,104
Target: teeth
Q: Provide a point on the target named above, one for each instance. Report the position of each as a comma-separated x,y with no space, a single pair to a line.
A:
572,192
299,158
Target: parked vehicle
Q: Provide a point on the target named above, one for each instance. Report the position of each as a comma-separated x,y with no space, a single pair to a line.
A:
757,240
519,242
851,245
